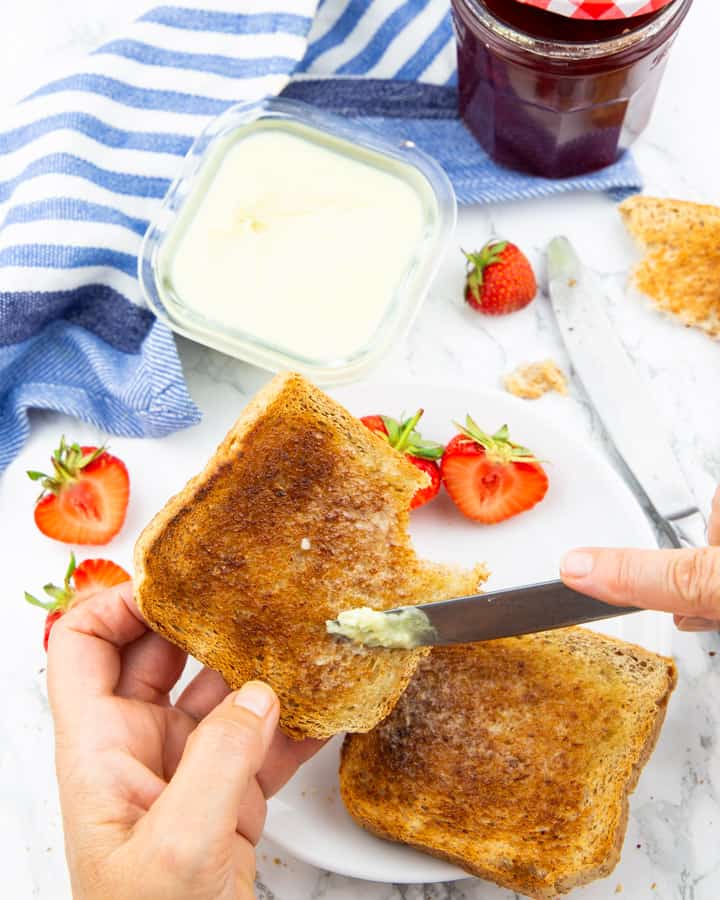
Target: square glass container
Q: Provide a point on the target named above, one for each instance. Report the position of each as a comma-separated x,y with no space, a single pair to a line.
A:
324,328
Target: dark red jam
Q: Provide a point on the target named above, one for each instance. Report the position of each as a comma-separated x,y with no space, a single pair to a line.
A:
557,96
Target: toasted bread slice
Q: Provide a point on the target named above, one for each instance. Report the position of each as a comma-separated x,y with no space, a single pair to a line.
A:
301,513
681,269
514,758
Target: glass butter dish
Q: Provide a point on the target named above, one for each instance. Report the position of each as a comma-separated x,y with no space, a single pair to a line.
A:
295,239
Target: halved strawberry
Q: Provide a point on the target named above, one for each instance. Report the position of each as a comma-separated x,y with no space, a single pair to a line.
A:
85,500
80,582
50,620
490,478
95,575
401,435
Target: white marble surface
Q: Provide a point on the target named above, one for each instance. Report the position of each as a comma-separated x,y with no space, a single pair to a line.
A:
674,834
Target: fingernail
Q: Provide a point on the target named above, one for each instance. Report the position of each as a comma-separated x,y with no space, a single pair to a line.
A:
691,624
256,697
577,564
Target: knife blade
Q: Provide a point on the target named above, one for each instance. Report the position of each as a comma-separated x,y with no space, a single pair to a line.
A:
480,617
619,395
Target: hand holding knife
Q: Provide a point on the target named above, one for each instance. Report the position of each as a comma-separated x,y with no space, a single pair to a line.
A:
685,581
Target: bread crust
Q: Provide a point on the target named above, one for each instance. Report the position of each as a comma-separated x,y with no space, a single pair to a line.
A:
680,271
301,512
531,793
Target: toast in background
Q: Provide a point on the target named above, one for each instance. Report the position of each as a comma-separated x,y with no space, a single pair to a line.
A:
514,758
681,268
301,513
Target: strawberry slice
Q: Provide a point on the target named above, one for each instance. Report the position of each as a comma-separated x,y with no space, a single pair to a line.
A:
95,575
85,500
401,435
490,478
80,582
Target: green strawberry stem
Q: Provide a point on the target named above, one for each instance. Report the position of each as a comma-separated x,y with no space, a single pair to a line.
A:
401,436
407,430
478,262
498,447
33,601
60,596
68,460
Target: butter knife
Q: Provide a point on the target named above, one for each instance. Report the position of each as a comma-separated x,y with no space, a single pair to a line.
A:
480,617
620,396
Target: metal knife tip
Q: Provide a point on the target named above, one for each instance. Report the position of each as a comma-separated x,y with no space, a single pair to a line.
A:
562,259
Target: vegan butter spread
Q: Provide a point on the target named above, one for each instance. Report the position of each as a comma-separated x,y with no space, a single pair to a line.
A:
402,630
295,243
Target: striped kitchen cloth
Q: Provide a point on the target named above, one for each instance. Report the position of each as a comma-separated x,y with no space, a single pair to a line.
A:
86,159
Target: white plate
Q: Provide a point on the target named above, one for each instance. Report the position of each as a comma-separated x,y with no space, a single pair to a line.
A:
587,503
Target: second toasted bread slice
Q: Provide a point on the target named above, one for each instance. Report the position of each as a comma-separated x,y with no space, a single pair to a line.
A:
514,758
300,514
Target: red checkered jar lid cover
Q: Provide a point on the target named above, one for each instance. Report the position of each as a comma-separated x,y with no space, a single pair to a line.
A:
599,9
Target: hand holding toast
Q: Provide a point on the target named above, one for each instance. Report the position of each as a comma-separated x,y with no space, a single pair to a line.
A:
683,582
158,800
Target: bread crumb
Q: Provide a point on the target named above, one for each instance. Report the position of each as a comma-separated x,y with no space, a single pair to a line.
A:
711,653
277,861
653,885
618,889
535,379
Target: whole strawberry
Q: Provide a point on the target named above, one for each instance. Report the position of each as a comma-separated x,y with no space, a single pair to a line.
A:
499,279
422,454
80,582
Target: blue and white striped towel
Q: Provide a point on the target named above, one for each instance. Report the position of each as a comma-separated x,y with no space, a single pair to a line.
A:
85,160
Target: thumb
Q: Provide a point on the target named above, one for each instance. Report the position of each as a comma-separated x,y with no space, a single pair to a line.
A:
219,764
685,582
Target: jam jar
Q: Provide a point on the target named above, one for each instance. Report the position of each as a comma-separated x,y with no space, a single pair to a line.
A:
556,96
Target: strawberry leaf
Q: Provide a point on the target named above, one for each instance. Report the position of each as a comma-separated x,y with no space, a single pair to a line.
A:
401,436
478,262
70,571
498,446
33,601
58,594
393,429
68,460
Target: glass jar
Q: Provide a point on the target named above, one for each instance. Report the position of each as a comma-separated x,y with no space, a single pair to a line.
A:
296,239
557,96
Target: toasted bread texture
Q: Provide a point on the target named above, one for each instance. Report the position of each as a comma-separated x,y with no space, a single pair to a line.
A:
301,513
514,758
681,268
